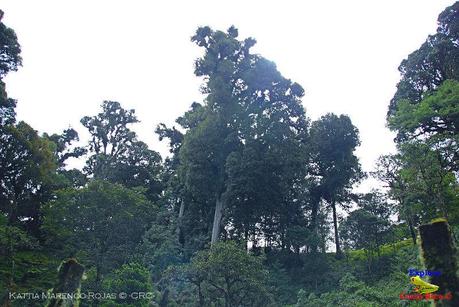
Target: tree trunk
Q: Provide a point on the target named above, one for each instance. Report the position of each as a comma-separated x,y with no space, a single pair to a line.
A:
179,226
164,298
217,220
412,231
439,254
368,261
10,252
182,209
335,224
201,296
314,212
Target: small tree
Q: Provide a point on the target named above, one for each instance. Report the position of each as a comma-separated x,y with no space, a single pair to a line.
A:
227,273
131,278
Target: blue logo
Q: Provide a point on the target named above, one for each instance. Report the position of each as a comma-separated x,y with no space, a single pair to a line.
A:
414,272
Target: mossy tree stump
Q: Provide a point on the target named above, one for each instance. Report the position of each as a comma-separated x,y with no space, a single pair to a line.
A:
439,254
69,279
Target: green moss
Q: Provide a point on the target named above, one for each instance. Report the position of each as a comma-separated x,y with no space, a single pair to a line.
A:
438,220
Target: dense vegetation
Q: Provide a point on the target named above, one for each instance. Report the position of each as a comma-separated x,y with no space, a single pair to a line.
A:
254,206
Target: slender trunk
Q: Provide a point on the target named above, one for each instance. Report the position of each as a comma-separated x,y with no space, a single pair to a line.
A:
246,238
179,224
217,220
323,246
254,247
10,256
315,210
335,224
182,209
10,251
412,231
99,276
441,200
283,236
201,297
369,262
227,300
409,218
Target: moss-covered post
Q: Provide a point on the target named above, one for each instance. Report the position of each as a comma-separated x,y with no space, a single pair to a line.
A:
439,254
65,293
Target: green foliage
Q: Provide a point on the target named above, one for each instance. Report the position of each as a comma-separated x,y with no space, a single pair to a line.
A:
132,279
63,142
109,131
353,289
34,271
433,121
334,166
249,109
247,169
10,49
28,169
334,140
227,275
436,113
367,227
102,224
160,246
7,108
424,112
434,62
117,155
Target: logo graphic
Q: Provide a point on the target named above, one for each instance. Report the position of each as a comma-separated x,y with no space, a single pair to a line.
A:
414,272
422,286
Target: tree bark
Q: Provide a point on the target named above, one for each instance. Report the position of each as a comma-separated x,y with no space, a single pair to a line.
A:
217,220
335,224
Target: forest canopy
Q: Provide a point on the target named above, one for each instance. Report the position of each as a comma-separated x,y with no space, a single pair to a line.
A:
256,203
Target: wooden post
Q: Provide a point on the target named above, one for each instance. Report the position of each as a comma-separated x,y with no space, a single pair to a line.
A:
439,254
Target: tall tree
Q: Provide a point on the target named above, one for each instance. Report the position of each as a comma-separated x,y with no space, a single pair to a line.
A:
422,187
116,154
176,196
247,99
389,170
334,165
27,166
424,108
434,62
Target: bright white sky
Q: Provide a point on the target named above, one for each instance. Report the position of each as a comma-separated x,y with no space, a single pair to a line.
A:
78,53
